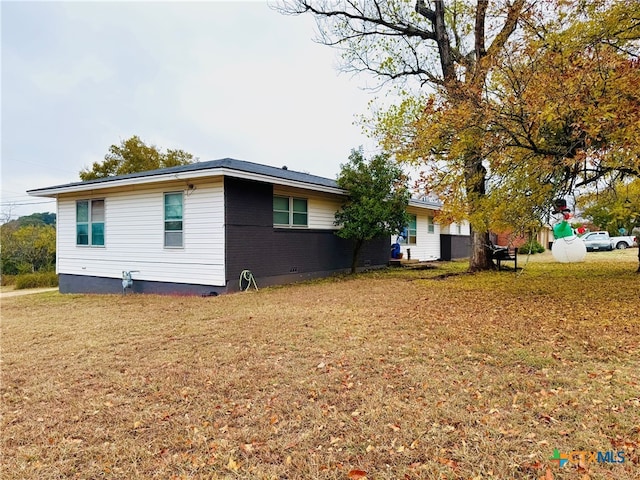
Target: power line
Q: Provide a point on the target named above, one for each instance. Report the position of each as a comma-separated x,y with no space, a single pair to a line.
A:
16,198
12,204
11,191
49,166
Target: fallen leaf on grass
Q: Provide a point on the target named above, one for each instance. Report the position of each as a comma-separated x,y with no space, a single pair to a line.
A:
233,465
582,467
547,476
448,462
357,475
532,466
548,418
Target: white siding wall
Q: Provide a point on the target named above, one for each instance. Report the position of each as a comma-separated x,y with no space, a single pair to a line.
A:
461,228
322,213
427,245
134,236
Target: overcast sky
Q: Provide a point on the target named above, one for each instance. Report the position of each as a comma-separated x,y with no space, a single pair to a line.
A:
217,79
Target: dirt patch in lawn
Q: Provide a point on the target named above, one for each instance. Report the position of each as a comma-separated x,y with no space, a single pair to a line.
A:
472,376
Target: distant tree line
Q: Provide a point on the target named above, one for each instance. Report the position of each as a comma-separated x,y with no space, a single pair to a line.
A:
28,244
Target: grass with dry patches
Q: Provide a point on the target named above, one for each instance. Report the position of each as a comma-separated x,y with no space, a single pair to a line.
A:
396,374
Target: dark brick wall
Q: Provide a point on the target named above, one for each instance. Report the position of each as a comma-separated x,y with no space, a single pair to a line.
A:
281,255
85,284
454,246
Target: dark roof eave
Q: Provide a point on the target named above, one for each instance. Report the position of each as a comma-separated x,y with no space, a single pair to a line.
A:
223,165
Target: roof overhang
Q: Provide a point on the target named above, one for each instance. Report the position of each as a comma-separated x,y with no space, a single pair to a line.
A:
424,204
54,192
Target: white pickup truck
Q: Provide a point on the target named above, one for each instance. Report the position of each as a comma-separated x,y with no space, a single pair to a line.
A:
624,242
602,241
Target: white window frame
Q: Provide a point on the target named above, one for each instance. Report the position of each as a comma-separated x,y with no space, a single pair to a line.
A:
91,221
291,212
165,221
412,239
431,226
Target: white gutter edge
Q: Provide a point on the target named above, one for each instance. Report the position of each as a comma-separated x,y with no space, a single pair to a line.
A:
216,172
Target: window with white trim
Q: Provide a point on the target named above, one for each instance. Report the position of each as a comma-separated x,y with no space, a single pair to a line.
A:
290,212
173,221
90,223
410,232
431,226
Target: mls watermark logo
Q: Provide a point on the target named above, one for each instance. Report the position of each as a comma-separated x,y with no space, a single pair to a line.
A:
577,457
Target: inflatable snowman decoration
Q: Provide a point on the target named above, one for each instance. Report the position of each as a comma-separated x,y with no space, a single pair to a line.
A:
567,247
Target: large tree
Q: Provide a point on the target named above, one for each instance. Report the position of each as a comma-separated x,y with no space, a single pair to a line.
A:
465,124
377,200
133,155
566,109
450,49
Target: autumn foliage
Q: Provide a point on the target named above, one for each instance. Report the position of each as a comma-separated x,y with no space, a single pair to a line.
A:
502,106
134,155
560,110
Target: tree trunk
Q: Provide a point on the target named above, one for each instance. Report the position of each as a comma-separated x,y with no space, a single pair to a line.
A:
357,246
480,258
475,182
638,242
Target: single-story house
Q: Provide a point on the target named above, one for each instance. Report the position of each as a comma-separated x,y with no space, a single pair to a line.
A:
193,229
424,239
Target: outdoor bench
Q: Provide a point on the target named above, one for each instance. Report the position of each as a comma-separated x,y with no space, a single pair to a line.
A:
504,254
